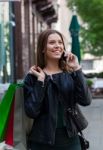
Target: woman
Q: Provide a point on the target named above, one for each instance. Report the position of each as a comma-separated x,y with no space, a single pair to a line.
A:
50,87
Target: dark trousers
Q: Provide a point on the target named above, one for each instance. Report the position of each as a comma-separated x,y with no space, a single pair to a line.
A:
61,147
62,142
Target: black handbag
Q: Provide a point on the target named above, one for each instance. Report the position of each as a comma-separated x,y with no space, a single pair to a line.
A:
80,123
77,116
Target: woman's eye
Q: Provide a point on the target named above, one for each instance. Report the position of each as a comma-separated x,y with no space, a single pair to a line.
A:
52,42
60,42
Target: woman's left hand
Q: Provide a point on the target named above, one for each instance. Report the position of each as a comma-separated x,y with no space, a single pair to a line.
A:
72,61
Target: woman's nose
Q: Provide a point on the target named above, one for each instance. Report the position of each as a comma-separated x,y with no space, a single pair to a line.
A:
57,44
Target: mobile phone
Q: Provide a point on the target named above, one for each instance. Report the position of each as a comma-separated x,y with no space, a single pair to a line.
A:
63,56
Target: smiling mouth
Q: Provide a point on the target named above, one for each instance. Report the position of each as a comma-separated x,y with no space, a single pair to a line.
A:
58,51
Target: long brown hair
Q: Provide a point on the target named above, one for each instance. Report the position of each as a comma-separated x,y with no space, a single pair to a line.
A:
41,46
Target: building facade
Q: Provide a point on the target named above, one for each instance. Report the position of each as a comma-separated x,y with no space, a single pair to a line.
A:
31,17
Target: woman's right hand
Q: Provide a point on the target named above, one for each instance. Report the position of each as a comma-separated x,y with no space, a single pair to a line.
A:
38,72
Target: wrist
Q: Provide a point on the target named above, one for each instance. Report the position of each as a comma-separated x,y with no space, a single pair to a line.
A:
40,78
77,67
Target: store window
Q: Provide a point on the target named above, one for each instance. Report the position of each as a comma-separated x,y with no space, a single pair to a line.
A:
7,24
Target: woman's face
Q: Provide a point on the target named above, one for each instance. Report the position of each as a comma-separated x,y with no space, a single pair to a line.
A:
55,47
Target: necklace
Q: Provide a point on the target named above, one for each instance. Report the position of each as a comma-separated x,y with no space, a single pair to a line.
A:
52,73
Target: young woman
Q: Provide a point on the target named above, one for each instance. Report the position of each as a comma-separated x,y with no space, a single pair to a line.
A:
50,88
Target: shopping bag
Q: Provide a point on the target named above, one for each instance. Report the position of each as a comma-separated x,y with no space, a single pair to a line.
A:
9,131
13,102
22,124
19,131
5,107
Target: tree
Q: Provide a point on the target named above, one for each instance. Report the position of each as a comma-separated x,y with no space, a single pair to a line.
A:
91,12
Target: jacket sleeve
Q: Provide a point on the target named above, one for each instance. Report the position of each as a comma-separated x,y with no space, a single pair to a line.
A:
82,93
33,95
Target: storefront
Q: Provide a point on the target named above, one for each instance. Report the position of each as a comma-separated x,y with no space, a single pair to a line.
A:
5,42
26,19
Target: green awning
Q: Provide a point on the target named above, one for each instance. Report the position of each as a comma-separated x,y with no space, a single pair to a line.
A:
74,30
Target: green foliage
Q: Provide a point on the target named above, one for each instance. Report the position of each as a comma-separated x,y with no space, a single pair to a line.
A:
91,12
89,82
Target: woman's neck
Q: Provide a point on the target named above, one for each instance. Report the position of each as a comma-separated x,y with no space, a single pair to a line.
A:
52,67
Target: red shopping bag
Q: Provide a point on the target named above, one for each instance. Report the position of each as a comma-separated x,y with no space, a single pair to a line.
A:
9,131
5,107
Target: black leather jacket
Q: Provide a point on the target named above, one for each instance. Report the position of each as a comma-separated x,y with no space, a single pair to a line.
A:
41,101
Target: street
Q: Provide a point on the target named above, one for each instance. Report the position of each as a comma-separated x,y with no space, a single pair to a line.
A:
94,131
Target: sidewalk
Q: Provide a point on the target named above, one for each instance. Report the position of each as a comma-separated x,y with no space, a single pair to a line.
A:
94,131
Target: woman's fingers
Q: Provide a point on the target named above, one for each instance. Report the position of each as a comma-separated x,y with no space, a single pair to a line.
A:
33,67
37,71
71,57
33,70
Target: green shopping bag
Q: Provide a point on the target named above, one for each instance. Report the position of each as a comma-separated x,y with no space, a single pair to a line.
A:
5,107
